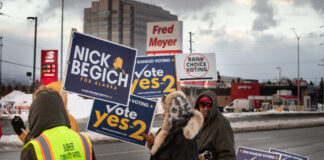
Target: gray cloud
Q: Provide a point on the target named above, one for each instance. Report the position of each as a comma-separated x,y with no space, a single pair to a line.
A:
53,7
203,32
207,17
265,18
317,5
188,8
182,8
258,59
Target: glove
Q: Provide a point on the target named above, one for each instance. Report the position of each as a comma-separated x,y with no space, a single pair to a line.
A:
149,140
17,124
206,155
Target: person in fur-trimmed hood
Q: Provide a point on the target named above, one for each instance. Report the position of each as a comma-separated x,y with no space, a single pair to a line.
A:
216,139
176,139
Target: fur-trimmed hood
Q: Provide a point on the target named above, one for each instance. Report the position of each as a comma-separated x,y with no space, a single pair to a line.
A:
178,109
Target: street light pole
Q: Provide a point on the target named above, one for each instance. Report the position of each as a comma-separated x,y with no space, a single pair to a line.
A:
323,87
0,60
34,64
298,81
279,68
62,40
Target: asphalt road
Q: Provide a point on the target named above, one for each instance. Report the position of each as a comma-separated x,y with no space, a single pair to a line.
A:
8,130
303,141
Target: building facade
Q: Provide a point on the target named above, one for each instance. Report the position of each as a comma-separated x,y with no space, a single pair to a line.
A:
123,21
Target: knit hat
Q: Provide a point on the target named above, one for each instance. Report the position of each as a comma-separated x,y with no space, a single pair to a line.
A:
176,106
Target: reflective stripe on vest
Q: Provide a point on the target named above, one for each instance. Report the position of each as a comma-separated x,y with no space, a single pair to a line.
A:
45,147
44,150
86,147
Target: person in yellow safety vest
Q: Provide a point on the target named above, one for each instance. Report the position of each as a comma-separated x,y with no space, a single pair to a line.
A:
50,136
18,123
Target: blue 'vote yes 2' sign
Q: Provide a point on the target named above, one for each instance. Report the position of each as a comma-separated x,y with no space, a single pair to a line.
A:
127,123
99,69
154,76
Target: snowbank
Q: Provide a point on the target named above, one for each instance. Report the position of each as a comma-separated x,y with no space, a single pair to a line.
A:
79,107
17,97
11,142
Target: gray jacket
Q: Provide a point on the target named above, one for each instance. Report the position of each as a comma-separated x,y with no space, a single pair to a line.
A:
216,135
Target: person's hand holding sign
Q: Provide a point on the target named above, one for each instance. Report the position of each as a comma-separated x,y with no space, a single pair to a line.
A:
149,140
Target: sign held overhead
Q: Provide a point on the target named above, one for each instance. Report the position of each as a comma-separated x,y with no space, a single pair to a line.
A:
154,77
99,69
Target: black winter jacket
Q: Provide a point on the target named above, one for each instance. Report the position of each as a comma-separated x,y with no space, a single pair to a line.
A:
176,146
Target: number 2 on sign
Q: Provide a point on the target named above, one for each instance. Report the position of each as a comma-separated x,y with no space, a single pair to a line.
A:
154,83
136,135
114,121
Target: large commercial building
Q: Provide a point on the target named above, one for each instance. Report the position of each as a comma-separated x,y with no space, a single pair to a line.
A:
123,21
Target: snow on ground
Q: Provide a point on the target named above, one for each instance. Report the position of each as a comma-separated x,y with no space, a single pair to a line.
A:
17,97
11,142
80,108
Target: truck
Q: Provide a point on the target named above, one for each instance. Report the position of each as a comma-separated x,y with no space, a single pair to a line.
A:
238,105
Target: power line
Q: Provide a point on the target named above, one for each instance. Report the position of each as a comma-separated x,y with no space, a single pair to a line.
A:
18,64
265,63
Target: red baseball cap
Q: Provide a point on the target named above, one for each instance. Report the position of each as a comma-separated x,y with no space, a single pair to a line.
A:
205,98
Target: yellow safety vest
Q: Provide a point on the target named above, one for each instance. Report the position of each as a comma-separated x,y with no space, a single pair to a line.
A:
61,143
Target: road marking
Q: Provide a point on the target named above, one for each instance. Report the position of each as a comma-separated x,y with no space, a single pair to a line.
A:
259,138
107,154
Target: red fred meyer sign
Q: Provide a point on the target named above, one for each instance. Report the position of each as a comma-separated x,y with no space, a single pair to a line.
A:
244,90
49,66
164,37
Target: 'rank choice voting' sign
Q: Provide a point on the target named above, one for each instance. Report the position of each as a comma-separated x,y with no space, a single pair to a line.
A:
196,67
99,69
154,76
244,153
126,123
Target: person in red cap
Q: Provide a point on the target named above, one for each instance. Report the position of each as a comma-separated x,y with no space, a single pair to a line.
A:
216,141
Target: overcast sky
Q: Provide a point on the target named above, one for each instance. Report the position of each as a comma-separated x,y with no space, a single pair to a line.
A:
250,37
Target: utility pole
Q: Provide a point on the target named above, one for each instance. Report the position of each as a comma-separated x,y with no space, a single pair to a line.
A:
34,64
190,41
322,65
62,41
192,95
1,60
279,68
322,82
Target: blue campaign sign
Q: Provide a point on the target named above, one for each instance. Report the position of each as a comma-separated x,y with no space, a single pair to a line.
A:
126,123
154,76
287,155
99,69
244,153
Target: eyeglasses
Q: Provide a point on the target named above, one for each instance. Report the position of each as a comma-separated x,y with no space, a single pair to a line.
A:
204,104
